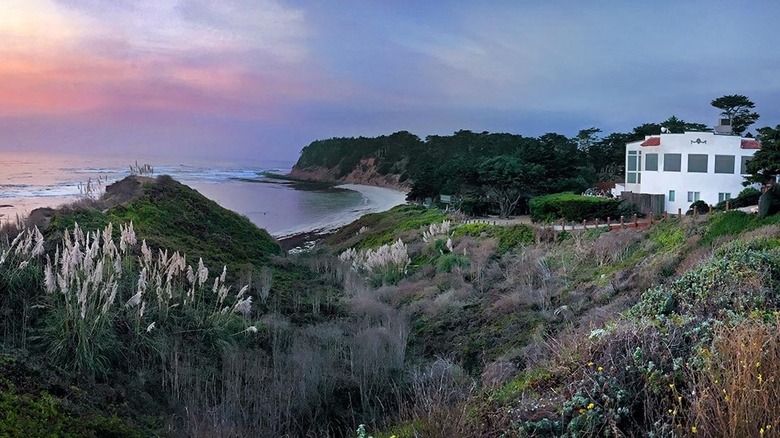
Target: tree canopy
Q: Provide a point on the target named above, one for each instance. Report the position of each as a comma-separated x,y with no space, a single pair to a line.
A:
737,107
765,165
502,168
506,180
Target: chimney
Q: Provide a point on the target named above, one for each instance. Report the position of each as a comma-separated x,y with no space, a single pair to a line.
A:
724,125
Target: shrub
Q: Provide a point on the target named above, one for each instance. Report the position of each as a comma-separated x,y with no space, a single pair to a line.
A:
572,207
508,236
746,198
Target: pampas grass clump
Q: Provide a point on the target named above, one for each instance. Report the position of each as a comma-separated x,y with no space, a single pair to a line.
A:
386,264
92,288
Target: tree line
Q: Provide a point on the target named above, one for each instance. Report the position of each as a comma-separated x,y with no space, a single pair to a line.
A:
500,171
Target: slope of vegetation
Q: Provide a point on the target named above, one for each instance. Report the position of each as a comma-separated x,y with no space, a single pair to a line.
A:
404,321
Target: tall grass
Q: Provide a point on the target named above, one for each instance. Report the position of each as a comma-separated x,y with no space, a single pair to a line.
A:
386,264
95,291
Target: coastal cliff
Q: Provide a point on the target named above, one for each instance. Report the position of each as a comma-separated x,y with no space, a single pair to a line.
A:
366,172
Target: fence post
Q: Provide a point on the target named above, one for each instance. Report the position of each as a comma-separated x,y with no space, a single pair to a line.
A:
679,213
727,205
636,222
622,222
584,225
609,222
651,218
563,225
666,215
710,209
597,222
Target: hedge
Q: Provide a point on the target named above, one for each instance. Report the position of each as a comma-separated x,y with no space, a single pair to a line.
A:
572,207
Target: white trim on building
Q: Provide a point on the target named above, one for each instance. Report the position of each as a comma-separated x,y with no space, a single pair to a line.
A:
694,165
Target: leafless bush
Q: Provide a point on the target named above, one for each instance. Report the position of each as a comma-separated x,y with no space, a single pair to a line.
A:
436,403
613,247
481,259
497,373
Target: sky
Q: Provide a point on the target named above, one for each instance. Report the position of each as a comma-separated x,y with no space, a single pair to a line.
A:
260,79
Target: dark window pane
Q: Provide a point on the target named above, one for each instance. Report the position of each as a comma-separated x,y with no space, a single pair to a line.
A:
724,164
697,163
672,162
743,169
651,162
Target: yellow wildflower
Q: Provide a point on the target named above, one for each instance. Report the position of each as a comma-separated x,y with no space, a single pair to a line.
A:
590,364
591,406
693,429
601,368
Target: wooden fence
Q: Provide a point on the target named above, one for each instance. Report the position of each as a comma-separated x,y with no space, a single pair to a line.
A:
645,202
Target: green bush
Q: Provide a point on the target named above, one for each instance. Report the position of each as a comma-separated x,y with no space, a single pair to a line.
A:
572,207
508,236
699,207
746,198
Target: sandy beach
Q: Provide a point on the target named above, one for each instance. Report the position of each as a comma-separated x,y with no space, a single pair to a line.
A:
376,199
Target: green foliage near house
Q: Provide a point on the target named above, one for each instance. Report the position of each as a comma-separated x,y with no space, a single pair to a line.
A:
572,207
508,237
765,164
747,197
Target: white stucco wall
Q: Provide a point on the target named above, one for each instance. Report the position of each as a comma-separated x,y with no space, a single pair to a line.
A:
708,184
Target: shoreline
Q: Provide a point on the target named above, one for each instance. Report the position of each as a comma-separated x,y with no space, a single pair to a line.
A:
376,200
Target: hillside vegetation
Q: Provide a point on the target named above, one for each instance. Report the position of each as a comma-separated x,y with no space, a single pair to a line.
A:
406,321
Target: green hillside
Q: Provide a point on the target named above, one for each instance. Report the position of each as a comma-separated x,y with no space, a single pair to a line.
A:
406,321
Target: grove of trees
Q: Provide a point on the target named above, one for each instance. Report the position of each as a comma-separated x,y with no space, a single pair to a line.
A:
501,172
489,170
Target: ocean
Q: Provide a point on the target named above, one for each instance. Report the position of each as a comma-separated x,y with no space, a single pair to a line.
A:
32,180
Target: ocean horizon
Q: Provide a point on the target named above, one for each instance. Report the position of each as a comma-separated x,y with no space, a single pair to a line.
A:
32,180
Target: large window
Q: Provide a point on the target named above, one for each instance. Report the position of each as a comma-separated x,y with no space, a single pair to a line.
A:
697,163
724,197
672,162
693,196
743,168
634,164
671,195
724,164
651,161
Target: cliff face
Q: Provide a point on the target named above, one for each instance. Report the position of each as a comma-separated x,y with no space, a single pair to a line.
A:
364,173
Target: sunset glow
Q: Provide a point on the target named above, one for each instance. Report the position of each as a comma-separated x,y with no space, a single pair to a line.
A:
276,75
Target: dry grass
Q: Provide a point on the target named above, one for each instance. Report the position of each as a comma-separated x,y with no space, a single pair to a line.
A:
737,392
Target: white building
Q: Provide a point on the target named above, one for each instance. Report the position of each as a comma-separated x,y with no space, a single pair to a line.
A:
688,167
